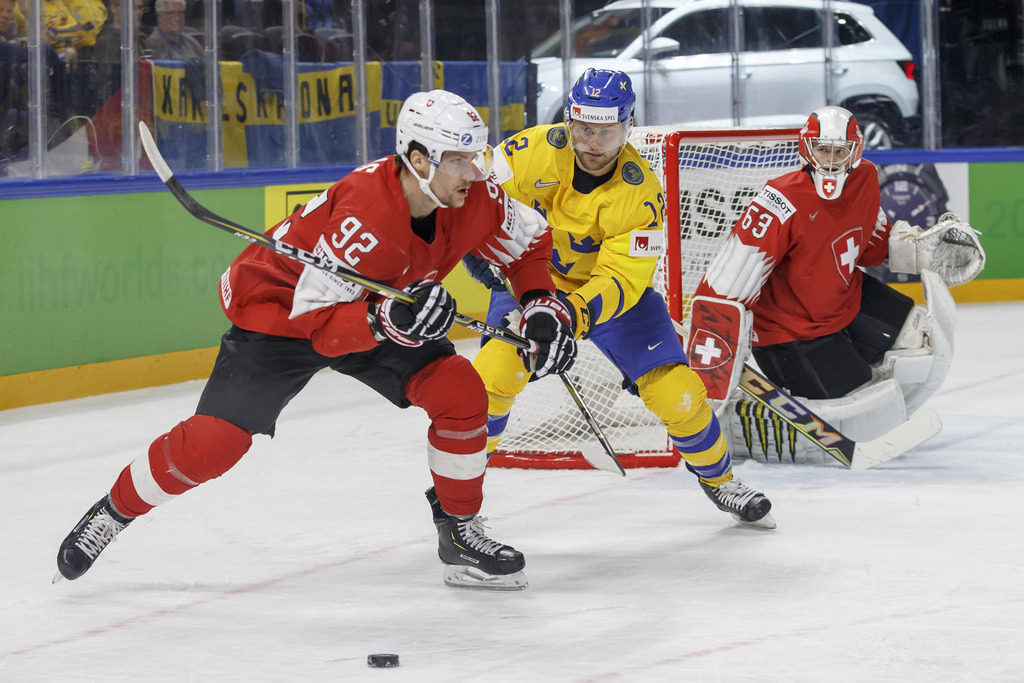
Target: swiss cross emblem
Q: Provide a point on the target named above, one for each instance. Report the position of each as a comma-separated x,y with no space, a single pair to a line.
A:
828,186
708,350
846,251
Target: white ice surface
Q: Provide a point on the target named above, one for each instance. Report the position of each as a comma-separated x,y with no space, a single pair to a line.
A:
318,549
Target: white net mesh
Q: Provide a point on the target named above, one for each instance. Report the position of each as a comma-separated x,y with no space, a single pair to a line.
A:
712,177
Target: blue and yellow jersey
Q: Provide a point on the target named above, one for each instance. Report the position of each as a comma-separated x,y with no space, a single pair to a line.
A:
606,242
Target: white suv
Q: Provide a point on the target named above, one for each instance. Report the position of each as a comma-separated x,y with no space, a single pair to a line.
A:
780,71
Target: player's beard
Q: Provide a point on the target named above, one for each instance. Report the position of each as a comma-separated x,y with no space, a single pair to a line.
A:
593,163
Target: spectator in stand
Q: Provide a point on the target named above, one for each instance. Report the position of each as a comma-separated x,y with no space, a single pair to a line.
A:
7,29
108,42
63,31
108,49
167,40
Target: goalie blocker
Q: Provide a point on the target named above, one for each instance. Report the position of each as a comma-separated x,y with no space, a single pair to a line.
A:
719,343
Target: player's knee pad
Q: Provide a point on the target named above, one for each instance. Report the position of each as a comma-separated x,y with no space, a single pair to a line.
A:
195,450
451,393
755,431
200,448
923,352
676,394
502,372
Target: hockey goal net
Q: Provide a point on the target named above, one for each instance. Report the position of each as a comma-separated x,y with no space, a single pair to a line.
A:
709,178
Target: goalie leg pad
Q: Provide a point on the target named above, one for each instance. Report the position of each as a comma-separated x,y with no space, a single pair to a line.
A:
922,371
677,396
867,413
718,343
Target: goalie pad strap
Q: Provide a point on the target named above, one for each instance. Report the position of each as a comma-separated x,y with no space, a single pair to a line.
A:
719,343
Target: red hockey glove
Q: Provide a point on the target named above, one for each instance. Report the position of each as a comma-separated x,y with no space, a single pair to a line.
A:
547,321
429,317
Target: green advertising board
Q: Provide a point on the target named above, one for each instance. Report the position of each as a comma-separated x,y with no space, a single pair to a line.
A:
99,278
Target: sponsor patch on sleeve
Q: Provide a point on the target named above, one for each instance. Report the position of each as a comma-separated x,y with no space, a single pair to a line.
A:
646,243
775,203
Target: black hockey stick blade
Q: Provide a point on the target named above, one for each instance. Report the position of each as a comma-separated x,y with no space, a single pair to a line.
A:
854,455
300,255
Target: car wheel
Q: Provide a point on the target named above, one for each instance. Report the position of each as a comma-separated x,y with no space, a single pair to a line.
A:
876,131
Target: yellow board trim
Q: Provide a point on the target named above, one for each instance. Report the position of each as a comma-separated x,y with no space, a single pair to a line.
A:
62,384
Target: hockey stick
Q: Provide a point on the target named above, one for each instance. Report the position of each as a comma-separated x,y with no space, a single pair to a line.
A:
853,454
856,455
318,262
595,459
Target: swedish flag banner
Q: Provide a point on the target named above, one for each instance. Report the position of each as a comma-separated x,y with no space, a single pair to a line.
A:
252,107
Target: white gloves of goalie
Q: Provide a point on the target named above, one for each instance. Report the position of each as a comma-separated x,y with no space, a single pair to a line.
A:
428,317
950,249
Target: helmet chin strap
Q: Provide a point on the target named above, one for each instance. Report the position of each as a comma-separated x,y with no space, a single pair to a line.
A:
424,183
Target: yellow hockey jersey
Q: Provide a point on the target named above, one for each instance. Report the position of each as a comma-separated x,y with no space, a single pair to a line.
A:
606,242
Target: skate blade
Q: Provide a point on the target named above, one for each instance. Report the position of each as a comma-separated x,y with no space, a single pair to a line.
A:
767,522
461,576
57,577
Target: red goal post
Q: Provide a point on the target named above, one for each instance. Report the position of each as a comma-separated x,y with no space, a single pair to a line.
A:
709,177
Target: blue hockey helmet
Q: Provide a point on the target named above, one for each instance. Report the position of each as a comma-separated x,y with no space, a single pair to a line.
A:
601,96
599,99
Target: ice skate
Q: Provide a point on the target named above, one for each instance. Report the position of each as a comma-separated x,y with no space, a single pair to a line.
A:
471,559
747,506
100,525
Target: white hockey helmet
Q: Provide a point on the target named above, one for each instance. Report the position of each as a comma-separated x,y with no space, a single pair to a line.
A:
832,143
442,122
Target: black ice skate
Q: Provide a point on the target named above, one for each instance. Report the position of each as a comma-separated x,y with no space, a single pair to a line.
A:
471,559
87,540
746,505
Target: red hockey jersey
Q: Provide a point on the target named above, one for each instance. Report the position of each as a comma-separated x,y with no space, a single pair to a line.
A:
363,223
792,257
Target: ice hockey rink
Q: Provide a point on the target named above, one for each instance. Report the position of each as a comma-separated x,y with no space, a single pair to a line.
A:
318,549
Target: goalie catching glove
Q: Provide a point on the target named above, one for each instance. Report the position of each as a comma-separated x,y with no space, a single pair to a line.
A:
950,248
429,317
546,321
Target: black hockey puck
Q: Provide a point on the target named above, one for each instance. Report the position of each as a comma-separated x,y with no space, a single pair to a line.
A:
382,661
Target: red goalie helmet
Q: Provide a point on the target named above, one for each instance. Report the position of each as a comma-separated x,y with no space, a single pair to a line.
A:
832,143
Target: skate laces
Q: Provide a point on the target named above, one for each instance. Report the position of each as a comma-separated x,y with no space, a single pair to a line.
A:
472,532
735,494
98,533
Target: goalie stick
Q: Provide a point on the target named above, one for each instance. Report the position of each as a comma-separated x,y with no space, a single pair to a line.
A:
853,454
597,460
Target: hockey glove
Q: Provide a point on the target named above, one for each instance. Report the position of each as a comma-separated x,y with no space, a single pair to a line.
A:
547,321
429,317
481,271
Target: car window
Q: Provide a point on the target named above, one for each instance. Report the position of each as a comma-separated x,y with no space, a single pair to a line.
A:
701,33
849,32
781,28
602,33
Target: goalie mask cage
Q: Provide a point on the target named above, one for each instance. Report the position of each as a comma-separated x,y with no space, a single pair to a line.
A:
709,178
